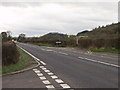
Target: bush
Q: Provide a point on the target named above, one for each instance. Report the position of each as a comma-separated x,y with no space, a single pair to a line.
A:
85,43
10,54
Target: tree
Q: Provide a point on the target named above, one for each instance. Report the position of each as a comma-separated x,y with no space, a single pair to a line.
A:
4,36
21,37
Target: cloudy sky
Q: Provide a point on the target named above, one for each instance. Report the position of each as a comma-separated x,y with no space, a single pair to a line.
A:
39,18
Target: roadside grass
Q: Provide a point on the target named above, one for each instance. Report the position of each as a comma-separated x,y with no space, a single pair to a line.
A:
42,44
24,61
112,50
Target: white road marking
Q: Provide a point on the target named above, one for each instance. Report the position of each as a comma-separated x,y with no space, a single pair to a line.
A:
44,68
63,53
54,77
49,50
59,81
46,82
40,74
50,73
50,86
41,66
42,78
37,71
42,49
101,62
65,85
47,70
43,63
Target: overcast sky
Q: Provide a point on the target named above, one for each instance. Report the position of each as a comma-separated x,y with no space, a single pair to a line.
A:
36,18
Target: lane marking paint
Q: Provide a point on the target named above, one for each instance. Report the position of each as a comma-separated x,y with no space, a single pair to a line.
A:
54,77
59,81
43,63
46,82
50,73
41,66
50,86
47,70
40,74
37,71
63,53
65,85
44,68
100,62
42,78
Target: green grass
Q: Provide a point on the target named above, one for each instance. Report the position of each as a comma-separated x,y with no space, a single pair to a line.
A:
42,44
112,50
24,62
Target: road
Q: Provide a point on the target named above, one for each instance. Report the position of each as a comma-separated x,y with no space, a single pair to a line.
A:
62,68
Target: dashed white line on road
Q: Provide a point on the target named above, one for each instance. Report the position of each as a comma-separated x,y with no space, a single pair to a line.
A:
59,81
50,73
37,71
46,82
65,85
54,77
44,68
47,70
41,66
63,53
50,86
42,78
100,62
40,74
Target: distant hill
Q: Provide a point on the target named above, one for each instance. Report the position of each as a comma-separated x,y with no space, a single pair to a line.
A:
108,31
54,37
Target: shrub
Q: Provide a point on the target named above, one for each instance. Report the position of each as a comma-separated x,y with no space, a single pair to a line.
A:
10,54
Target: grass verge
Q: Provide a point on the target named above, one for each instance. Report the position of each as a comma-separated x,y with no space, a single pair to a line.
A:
113,50
24,61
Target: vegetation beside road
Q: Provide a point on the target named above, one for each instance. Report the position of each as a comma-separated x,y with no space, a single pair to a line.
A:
24,61
112,50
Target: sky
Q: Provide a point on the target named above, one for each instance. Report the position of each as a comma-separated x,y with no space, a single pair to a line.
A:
39,18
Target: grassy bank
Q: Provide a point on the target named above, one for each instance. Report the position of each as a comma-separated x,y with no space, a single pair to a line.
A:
25,61
113,50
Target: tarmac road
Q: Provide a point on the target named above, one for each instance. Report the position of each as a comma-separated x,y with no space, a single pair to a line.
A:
63,68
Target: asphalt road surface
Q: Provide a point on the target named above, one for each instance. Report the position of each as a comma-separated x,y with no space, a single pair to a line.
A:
66,68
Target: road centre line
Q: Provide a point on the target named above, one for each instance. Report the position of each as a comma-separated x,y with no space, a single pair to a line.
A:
100,62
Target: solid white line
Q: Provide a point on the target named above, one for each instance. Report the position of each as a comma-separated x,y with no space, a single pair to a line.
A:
43,63
59,81
50,86
65,85
100,62
46,82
